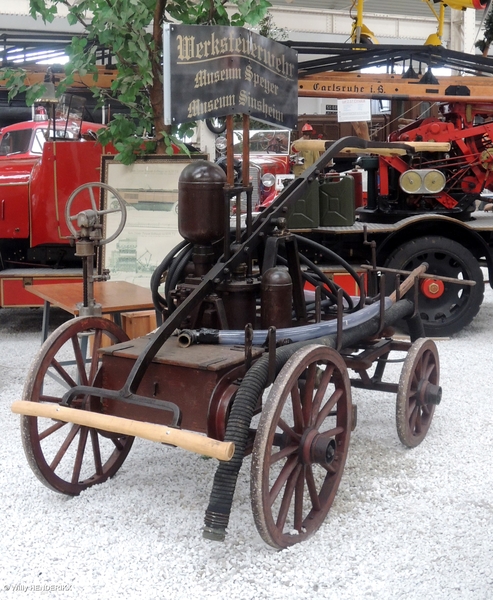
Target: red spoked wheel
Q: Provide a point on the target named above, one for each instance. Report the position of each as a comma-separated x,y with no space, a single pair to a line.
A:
66,457
301,446
419,392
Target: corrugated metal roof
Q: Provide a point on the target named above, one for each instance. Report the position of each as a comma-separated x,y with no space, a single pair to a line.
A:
413,8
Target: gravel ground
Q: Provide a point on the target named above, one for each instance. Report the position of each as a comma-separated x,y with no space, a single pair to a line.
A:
406,524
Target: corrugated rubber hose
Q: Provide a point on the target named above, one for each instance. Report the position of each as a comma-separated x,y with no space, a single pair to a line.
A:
251,388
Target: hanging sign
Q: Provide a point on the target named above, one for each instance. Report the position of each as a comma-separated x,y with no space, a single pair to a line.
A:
353,109
215,71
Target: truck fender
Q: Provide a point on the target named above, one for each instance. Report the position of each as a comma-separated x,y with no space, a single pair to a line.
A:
438,225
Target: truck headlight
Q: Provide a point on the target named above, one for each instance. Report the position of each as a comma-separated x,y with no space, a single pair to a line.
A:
221,144
268,180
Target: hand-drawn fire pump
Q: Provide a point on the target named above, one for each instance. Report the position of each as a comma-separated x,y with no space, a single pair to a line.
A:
253,358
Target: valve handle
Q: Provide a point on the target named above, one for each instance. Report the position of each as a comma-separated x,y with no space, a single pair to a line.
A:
122,208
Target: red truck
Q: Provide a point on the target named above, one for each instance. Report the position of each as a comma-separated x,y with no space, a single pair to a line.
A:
40,167
420,206
270,162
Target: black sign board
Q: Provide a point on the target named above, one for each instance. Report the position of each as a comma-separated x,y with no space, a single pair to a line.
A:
214,71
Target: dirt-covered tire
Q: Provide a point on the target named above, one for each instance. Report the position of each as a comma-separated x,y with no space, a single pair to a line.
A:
445,308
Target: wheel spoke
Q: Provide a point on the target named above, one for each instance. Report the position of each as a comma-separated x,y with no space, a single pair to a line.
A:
118,442
415,420
431,367
287,451
331,468
79,457
64,447
324,382
98,465
54,399
307,396
288,430
283,476
93,200
415,380
331,402
426,410
287,497
298,500
63,373
312,488
423,365
48,431
98,334
299,421
331,433
80,360
411,406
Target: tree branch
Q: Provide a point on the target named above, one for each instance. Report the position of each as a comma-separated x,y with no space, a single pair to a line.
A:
77,14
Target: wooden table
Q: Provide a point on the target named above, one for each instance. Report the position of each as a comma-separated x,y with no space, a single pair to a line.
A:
115,297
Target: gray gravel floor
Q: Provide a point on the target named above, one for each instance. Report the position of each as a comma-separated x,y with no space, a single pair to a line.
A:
406,524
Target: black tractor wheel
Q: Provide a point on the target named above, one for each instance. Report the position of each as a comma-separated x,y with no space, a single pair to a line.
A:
445,308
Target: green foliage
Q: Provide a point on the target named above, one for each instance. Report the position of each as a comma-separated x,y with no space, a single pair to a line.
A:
16,82
212,12
268,29
125,28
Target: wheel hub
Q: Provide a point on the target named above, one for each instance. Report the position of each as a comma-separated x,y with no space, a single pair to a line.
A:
428,393
316,448
432,288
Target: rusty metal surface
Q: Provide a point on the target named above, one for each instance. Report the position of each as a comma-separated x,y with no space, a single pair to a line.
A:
277,287
364,358
186,377
200,193
200,356
187,388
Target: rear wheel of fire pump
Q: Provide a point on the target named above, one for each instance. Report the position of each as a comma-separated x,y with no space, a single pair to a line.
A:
445,308
419,392
66,457
301,446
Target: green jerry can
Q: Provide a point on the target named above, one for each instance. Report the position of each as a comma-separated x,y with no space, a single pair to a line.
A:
306,212
337,202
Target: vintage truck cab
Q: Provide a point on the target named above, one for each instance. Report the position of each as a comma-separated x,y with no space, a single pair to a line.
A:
270,161
41,164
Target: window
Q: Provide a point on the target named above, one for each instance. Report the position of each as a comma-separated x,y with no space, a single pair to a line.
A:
38,142
15,142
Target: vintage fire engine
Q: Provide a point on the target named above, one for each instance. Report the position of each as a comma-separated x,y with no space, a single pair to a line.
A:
422,207
246,355
40,166
270,164
419,206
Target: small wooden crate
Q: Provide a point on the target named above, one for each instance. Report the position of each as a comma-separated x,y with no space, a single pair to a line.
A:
138,323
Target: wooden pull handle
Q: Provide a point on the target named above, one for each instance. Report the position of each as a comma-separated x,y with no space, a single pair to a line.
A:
188,440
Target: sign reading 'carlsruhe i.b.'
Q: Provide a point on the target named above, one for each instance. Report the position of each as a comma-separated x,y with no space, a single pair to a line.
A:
214,71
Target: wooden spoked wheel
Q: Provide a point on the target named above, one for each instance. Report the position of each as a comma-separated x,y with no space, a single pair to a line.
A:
66,457
419,392
301,446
